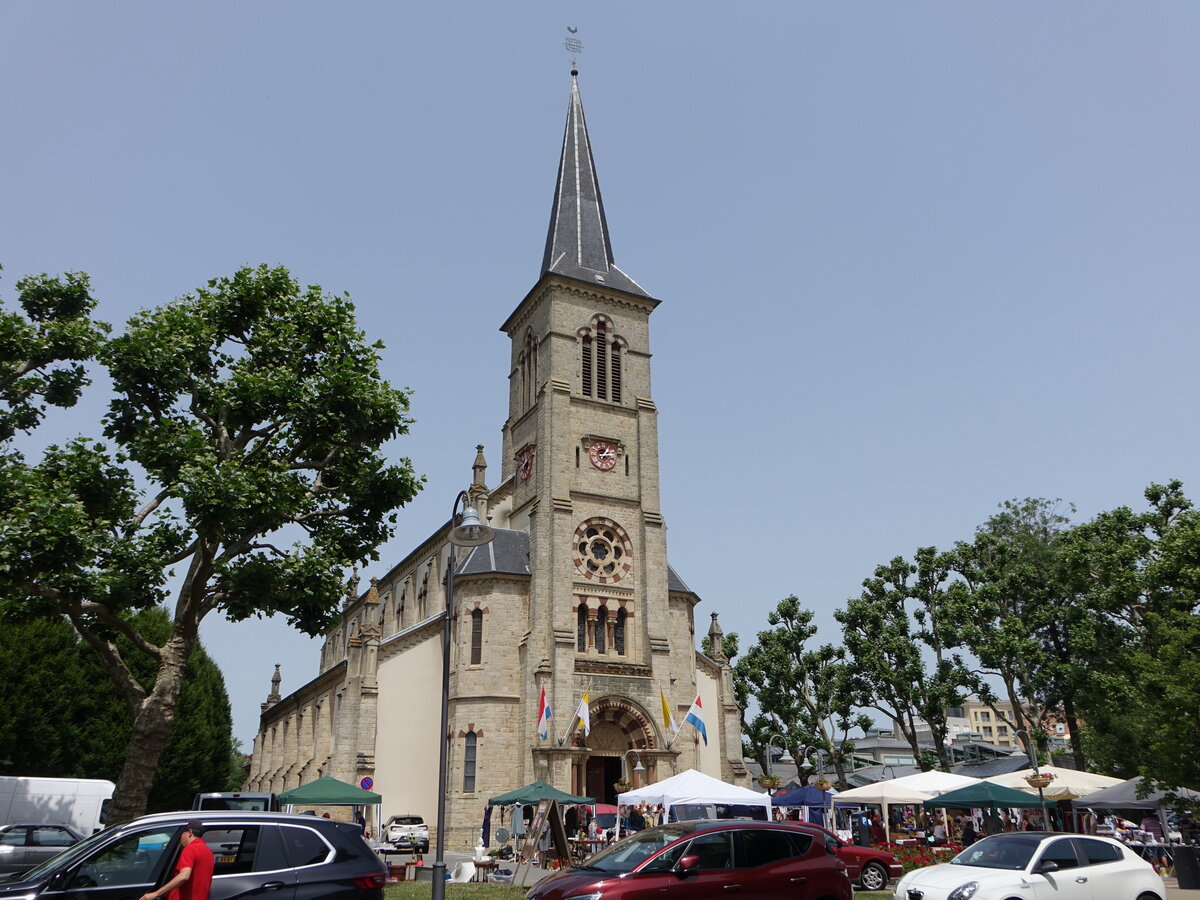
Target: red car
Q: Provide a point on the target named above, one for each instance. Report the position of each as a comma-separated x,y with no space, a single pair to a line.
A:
865,866
705,860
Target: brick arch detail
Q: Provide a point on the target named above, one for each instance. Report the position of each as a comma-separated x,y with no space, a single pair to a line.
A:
630,718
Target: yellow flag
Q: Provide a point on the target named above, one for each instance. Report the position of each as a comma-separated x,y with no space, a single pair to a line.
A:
585,719
668,716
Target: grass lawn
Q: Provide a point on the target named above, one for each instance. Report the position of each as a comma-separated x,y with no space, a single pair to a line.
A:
420,890
412,890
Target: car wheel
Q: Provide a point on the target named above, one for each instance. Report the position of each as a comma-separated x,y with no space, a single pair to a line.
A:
874,877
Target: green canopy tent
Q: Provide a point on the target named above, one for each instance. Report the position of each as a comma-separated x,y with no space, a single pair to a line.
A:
986,795
535,793
329,791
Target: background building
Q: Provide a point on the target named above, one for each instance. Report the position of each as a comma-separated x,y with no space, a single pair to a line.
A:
574,596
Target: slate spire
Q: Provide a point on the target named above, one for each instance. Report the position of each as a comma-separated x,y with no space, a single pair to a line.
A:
577,244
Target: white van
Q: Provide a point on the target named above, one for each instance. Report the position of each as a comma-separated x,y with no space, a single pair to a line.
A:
78,802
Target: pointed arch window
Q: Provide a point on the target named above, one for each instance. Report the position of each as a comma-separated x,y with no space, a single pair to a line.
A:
601,360
470,747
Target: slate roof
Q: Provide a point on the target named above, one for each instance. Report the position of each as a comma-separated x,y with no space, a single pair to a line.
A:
577,244
508,553
675,583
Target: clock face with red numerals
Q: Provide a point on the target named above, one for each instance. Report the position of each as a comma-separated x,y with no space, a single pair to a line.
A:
525,464
603,455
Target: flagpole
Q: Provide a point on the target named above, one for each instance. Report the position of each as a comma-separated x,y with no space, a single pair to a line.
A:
570,729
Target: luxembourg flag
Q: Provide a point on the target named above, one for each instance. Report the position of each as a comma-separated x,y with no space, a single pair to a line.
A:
695,717
544,716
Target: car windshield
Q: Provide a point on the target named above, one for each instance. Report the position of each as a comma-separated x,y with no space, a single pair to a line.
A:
1002,851
626,855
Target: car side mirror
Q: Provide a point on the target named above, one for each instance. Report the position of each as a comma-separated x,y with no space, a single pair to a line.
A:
1047,867
687,865
58,881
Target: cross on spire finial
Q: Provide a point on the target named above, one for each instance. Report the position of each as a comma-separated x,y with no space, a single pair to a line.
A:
574,46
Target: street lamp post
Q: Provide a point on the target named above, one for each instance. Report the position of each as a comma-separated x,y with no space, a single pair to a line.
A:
636,769
631,778
784,757
465,531
1033,762
806,762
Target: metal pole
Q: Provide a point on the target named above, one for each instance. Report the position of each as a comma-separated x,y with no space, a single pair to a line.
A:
439,863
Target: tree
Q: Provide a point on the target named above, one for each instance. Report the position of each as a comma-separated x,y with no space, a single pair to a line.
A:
246,414
43,350
1011,609
65,719
901,610
1138,577
802,693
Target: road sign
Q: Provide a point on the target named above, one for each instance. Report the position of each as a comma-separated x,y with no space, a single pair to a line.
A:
367,783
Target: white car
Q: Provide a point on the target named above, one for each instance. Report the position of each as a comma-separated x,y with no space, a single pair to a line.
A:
1034,865
407,833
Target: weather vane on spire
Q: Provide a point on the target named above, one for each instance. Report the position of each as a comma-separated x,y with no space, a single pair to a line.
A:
573,45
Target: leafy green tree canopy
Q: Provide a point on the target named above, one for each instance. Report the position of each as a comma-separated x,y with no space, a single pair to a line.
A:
43,348
802,693
245,415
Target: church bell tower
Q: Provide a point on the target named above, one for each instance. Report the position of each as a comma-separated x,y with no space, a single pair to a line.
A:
581,456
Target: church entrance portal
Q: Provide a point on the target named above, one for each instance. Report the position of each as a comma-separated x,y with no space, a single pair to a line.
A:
602,771
618,726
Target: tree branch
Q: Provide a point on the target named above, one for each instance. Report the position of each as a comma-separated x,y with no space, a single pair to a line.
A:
130,688
151,506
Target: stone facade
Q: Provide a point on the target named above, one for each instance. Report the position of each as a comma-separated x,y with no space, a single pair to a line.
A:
574,595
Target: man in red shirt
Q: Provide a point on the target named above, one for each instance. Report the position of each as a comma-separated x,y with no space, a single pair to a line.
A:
193,869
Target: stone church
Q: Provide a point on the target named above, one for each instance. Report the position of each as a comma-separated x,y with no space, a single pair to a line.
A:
574,594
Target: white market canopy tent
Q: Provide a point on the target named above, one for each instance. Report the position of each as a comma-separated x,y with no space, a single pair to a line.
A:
694,787
935,782
1125,796
885,794
1067,784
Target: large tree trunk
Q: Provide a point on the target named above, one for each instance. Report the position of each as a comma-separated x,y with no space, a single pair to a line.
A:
152,724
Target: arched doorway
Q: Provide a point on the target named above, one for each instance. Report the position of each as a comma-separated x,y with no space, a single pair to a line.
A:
618,725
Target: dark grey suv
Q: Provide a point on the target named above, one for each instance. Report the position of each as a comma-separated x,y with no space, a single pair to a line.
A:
284,856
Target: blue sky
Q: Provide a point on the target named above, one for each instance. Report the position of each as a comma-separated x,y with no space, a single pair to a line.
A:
915,259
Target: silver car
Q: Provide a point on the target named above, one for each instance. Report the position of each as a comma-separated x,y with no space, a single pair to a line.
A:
24,846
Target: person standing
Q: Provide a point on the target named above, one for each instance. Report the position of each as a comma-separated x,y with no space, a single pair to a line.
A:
968,832
193,869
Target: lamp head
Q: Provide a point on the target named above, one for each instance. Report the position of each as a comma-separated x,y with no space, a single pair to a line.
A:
787,757
470,532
